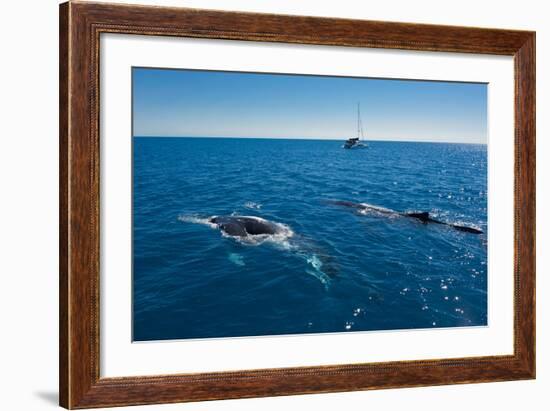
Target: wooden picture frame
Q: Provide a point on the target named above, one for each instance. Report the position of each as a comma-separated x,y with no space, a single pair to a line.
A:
80,27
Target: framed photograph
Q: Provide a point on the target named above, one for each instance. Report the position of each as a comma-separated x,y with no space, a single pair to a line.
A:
258,205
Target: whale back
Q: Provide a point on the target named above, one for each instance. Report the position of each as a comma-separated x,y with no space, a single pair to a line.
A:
233,228
257,227
467,229
243,226
229,226
344,203
423,216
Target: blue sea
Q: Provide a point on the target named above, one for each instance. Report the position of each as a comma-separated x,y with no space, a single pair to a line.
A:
329,268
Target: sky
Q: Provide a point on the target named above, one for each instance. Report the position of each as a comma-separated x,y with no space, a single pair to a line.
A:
197,103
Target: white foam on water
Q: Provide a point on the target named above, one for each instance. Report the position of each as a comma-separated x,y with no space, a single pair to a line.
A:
252,205
315,262
463,223
320,276
317,271
194,219
378,208
236,259
370,209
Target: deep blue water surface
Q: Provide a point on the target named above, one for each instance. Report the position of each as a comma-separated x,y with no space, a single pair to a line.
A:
334,269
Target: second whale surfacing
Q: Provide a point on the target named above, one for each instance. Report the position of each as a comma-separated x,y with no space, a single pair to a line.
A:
423,216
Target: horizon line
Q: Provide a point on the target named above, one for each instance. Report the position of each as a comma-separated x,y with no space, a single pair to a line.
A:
313,139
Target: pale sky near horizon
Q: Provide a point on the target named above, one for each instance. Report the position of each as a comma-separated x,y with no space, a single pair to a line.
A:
195,103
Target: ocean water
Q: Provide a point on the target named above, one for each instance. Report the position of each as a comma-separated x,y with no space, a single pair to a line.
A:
331,268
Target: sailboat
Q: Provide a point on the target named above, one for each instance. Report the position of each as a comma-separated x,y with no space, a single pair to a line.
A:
355,142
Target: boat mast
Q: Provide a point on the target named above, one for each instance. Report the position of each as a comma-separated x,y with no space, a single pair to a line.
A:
358,120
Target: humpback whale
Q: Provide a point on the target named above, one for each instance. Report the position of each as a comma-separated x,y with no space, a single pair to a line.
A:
422,216
251,230
243,226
